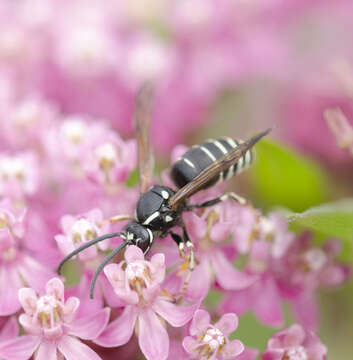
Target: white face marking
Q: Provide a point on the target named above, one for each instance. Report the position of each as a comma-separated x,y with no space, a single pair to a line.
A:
151,218
187,161
168,218
208,153
129,236
165,194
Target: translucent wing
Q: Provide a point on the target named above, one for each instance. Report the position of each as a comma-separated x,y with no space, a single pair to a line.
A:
222,164
143,114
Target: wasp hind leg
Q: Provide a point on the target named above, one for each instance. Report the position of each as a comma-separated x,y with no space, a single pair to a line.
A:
184,243
224,197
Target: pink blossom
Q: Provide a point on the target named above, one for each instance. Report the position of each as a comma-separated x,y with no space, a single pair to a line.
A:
263,297
50,322
251,225
80,229
209,234
90,149
18,262
295,343
138,283
19,175
211,341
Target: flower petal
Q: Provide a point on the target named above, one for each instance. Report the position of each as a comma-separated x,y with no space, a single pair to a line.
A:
133,253
90,327
176,315
200,281
227,275
47,351
248,354
55,287
120,330
74,349
10,281
227,323
153,337
190,345
20,348
28,299
200,322
10,330
233,349
34,274
267,302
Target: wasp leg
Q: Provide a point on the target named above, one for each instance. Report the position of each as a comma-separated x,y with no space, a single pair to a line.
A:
224,197
116,219
184,243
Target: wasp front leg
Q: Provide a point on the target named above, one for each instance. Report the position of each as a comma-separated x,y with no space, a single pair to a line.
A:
186,251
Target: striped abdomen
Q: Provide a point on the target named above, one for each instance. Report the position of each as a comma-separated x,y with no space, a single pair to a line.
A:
199,157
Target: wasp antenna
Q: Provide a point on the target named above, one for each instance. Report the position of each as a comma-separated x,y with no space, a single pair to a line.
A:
85,246
102,265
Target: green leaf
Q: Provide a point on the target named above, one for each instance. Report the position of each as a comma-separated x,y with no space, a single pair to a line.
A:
329,220
281,176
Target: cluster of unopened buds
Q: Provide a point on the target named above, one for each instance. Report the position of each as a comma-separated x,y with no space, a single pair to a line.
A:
56,195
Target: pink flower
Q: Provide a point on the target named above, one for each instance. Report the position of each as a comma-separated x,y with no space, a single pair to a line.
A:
18,262
307,268
251,225
211,341
295,343
210,233
137,282
19,175
80,229
50,321
263,297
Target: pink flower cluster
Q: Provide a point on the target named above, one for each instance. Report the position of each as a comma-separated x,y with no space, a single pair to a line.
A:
68,74
80,187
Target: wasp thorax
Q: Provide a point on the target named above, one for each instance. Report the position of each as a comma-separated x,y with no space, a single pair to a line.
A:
213,340
83,230
295,353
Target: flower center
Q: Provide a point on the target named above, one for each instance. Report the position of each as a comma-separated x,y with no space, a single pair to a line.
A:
107,155
295,353
138,276
314,259
74,130
83,230
12,168
213,340
49,311
9,254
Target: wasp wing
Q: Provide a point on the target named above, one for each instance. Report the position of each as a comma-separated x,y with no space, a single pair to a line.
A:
143,114
222,164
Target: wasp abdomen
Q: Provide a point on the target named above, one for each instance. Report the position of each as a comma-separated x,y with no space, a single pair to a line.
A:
199,157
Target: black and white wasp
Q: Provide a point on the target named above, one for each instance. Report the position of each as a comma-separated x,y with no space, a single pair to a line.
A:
159,208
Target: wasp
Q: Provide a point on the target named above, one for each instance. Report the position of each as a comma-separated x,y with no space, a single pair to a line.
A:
159,208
